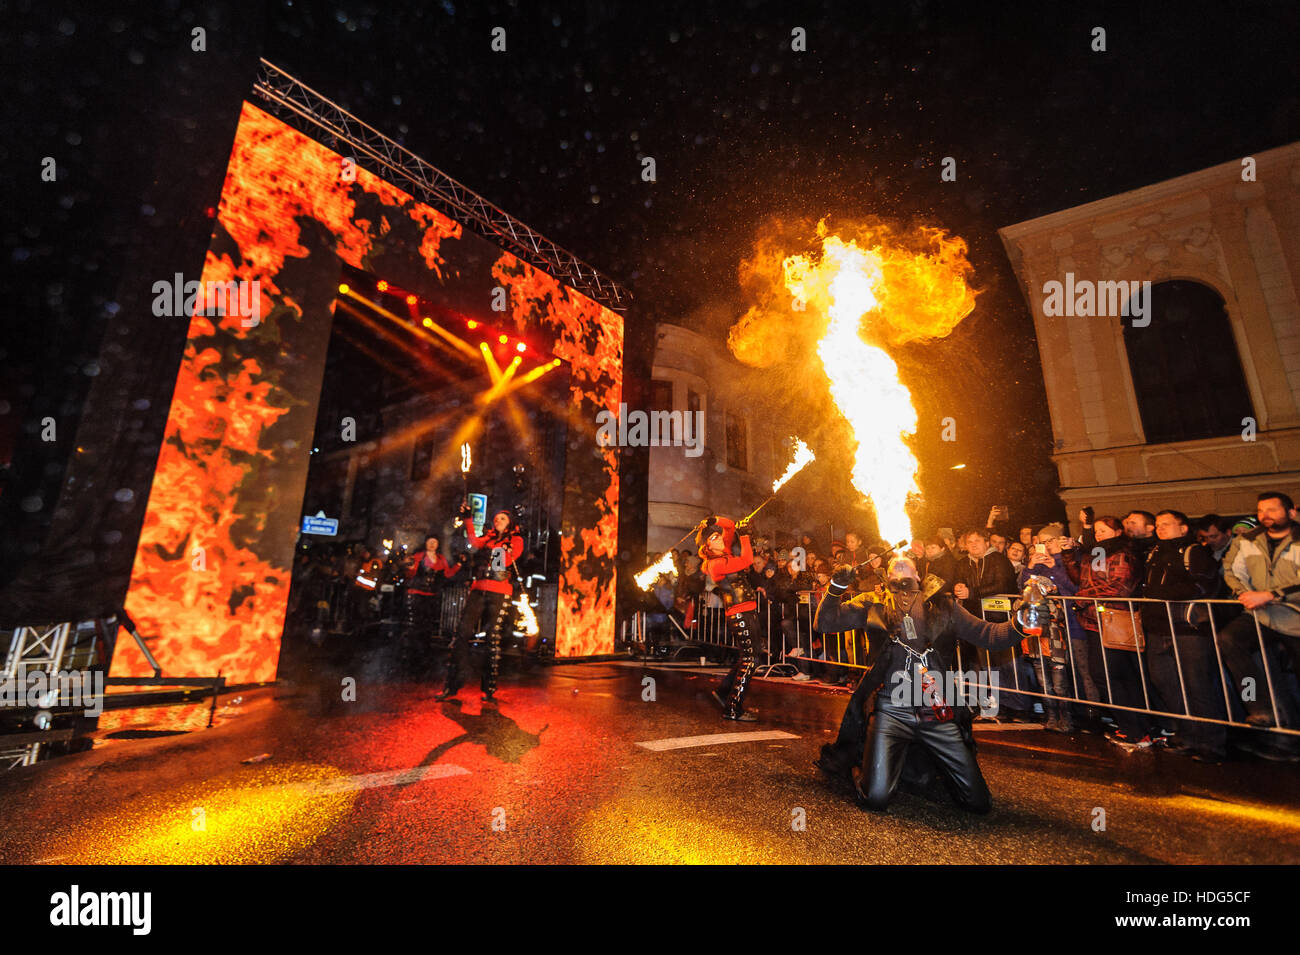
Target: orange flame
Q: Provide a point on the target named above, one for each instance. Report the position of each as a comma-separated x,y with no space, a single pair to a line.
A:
871,287
802,457
664,565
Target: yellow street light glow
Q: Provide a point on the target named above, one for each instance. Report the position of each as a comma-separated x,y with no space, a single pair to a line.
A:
958,467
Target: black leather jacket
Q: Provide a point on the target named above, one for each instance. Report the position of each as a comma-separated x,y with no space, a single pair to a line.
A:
946,622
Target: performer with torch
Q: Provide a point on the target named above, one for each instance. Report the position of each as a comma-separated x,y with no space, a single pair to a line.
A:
664,565
488,602
715,539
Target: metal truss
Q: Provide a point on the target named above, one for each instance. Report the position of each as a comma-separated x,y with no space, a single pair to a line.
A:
30,648
300,106
35,648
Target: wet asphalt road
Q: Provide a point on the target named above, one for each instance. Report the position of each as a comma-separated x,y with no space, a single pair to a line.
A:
555,774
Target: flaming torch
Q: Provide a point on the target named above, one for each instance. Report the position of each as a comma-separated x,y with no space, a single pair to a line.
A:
464,473
802,457
664,565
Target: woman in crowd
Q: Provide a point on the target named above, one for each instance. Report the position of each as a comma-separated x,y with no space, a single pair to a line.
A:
1117,670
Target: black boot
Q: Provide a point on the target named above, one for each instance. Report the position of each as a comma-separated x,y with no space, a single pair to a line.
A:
452,686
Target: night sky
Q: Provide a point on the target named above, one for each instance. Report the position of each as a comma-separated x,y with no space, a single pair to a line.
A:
744,131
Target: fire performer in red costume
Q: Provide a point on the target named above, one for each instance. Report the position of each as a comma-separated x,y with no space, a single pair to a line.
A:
715,538
489,597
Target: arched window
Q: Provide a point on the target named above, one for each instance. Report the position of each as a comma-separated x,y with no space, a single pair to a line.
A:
1186,371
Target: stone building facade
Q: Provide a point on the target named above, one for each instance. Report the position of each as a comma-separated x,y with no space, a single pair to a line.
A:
1192,400
744,445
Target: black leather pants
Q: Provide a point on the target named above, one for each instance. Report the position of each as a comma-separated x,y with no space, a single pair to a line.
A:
890,733
482,608
743,628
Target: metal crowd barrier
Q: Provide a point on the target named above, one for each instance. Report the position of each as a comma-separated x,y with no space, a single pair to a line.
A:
786,644
1209,629
793,643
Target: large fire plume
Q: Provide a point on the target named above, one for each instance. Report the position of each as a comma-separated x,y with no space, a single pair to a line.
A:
864,288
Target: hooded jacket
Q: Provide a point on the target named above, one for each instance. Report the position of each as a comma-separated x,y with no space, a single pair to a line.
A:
1247,566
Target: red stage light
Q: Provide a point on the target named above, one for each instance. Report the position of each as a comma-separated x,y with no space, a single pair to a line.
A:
382,286
411,300
503,339
521,347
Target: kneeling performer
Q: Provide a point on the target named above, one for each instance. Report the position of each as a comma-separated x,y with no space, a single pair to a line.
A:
900,701
715,538
487,603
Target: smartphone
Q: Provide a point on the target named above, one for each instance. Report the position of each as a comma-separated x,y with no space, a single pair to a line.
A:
1040,548
1089,513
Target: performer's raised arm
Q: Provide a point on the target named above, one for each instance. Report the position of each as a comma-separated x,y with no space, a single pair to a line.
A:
990,636
835,614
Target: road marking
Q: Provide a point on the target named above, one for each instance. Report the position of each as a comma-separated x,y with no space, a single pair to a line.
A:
394,777
713,739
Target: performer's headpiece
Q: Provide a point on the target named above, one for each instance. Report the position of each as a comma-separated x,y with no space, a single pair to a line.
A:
710,528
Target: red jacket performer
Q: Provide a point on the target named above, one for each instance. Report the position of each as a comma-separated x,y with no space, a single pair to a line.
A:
425,577
486,606
426,566
715,538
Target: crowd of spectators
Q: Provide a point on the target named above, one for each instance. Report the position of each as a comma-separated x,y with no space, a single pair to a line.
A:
1144,573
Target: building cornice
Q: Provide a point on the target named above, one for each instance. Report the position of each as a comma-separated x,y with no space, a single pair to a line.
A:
1225,173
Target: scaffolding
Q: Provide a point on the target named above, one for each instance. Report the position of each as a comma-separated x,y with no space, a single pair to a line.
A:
299,106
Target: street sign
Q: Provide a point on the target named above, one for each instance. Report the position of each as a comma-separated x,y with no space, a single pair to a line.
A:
320,524
478,512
